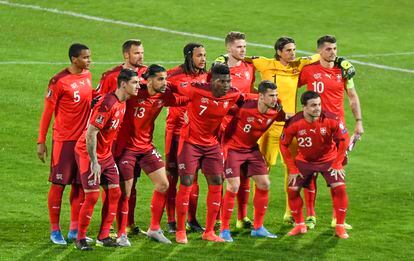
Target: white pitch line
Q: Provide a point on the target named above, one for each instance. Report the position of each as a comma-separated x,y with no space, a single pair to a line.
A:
378,54
161,29
67,63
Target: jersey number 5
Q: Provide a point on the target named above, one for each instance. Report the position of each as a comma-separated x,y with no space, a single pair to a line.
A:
76,96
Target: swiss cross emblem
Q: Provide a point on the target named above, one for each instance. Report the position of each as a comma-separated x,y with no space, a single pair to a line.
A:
225,104
323,131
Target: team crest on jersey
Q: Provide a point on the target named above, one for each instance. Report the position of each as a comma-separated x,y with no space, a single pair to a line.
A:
225,104
323,131
317,76
302,132
74,85
339,77
250,119
49,93
59,176
100,119
204,100
247,75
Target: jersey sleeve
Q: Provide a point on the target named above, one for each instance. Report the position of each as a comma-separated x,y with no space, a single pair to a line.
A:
303,77
341,137
100,115
258,62
54,93
174,100
285,140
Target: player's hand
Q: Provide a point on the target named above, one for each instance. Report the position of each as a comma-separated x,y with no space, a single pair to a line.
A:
41,151
337,172
95,172
348,70
359,129
223,58
278,106
292,179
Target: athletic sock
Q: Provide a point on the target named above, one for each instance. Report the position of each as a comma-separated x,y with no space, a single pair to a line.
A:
54,202
181,204
76,199
113,199
193,201
243,197
310,196
132,203
171,195
296,204
213,206
122,214
86,212
340,202
227,209
157,208
260,202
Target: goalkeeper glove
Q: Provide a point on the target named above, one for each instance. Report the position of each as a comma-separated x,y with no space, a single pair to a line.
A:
348,70
223,58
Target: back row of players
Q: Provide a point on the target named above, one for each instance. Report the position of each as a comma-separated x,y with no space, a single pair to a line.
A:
213,115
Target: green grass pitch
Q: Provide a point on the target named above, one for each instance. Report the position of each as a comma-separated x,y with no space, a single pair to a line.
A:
380,176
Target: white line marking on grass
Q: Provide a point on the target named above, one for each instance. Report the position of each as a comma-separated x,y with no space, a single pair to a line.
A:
161,29
378,54
67,63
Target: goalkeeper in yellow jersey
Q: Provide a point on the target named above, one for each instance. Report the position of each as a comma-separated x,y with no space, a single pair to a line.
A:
283,70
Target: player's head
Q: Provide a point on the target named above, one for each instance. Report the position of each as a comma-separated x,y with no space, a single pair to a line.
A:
194,58
133,52
311,104
236,45
327,48
129,82
156,75
267,93
285,48
80,56
220,79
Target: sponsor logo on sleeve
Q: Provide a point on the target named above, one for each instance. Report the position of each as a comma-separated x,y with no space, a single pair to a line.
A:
99,119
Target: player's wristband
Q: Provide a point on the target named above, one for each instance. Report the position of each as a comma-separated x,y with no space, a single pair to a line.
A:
358,119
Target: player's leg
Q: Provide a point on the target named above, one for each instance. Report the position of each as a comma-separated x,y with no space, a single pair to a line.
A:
110,182
232,187
171,147
309,192
242,200
193,224
132,228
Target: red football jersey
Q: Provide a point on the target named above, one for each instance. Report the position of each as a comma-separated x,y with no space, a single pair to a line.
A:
328,83
319,142
141,112
177,77
205,113
109,79
248,125
107,115
242,77
69,98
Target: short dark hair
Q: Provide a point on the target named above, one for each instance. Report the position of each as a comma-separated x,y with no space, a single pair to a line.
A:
152,70
325,39
308,95
127,45
76,49
219,69
233,36
280,44
188,66
125,76
264,85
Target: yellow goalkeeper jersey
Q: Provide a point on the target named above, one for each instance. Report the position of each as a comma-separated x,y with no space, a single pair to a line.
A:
285,77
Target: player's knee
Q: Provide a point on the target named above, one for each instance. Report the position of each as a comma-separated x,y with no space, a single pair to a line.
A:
186,180
214,180
233,187
263,184
162,186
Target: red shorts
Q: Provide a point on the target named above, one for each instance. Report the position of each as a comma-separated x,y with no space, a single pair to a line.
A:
308,170
131,162
109,172
248,159
63,167
171,149
191,156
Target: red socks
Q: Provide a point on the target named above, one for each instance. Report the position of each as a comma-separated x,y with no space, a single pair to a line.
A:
113,195
213,206
77,196
157,208
310,196
260,202
132,203
54,202
122,214
295,204
340,202
227,209
181,203
171,195
192,209
243,197
86,212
